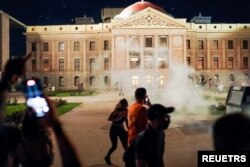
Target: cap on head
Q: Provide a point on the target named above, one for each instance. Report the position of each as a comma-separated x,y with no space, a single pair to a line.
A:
140,93
158,110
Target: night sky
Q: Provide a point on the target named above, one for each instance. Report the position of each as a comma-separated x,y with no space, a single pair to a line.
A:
42,12
54,12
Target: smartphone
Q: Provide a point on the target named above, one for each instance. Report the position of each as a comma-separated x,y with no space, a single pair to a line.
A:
33,91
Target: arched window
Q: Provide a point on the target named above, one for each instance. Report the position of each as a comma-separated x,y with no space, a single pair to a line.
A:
161,80
106,80
61,81
135,80
149,80
92,81
76,81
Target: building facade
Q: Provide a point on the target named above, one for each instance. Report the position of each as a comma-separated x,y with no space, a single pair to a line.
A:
138,47
6,24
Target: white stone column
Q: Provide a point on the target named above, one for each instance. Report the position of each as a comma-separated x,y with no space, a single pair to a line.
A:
156,51
170,60
141,51
127,51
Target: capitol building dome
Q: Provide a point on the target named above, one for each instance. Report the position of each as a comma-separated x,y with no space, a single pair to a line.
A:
137,7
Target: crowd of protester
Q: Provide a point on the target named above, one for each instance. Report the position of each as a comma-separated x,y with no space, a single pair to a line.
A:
143,137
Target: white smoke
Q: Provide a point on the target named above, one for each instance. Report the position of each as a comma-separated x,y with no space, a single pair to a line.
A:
181,92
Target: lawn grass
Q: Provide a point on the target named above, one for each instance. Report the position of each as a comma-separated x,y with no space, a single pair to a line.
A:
66,107
60,110
67,93
14,108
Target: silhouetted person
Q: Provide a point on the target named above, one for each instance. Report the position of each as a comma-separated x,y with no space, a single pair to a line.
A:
232,133
149,146
118,117
35,148
137,114
13,70
9,136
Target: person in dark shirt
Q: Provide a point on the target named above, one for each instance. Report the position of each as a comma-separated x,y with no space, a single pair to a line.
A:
231,133
118,117
149,145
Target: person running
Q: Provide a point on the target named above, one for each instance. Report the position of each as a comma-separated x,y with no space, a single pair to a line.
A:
118,117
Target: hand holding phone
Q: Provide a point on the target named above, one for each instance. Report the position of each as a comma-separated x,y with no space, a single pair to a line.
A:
33,91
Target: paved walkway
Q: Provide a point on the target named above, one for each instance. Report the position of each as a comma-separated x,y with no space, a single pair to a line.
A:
87,127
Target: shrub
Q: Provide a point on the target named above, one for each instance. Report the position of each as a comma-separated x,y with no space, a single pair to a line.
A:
12,102
220,108
59,102
15,117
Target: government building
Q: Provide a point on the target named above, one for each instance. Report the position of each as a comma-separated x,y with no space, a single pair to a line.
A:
135,48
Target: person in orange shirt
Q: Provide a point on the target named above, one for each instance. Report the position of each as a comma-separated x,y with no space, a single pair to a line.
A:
137,114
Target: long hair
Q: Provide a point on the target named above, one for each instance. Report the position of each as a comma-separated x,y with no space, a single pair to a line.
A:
121,105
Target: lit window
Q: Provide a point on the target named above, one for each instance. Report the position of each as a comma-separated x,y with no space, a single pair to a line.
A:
134,62
161,63
135,80
61,46
161,80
